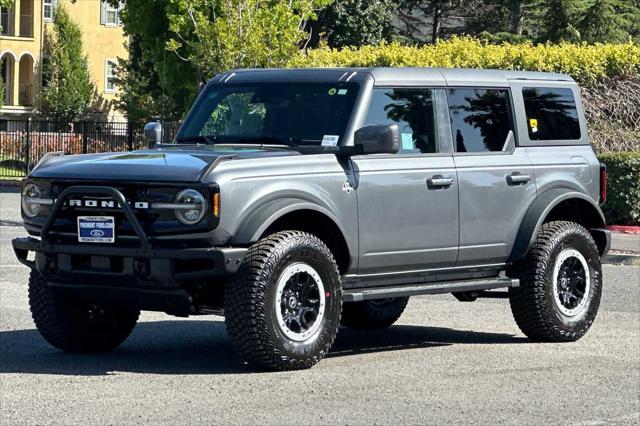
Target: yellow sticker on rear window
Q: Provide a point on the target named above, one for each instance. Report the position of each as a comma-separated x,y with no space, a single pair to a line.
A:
533,123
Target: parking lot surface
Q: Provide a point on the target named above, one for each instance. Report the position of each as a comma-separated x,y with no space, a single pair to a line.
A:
444,362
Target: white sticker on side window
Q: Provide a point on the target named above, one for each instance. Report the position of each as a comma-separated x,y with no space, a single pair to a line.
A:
330,140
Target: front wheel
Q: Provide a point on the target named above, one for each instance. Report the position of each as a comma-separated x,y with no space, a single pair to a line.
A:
282,307
560,284
74,325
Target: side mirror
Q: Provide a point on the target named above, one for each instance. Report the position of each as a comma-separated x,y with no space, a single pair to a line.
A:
153,132
378,139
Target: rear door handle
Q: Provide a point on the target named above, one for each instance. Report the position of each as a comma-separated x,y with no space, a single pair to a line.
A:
439,182
517,177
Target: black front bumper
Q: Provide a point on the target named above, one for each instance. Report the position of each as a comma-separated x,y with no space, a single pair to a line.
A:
149,277
162,265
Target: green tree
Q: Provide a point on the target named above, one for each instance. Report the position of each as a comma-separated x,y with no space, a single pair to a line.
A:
219,35
560,20
154,82
67,96
359,22
429,20
176,44
610,21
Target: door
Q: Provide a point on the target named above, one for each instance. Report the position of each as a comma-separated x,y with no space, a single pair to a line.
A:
408,202
496,179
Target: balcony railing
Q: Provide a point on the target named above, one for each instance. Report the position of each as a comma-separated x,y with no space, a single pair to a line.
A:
26,25
24,95
7,22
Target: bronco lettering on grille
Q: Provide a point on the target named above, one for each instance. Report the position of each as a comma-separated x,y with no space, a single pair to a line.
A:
105,204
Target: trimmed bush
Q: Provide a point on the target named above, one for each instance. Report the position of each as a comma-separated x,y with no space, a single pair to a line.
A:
623,189
587,64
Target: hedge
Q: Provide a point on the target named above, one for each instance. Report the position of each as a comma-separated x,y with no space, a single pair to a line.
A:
623,189
587,64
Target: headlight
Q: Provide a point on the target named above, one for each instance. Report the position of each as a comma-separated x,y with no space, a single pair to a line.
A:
192,207
30,193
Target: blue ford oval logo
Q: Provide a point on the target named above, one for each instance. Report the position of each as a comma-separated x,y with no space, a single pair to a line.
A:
97,233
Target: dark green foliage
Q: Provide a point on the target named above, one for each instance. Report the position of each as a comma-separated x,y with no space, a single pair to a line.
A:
560,21
154,83
69,92
610,21
359,22
623,192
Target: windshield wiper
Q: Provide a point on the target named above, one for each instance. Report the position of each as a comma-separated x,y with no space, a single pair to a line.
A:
263,140
209,140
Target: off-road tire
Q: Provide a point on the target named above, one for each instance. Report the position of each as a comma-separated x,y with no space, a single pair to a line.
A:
250,302
373,314
533,302
75,326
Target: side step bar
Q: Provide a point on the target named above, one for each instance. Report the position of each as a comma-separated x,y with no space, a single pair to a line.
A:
357,295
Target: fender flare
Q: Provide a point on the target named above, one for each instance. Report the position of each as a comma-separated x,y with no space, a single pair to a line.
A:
538,212
252,228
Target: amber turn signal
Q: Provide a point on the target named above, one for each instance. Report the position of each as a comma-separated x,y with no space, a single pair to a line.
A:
216,204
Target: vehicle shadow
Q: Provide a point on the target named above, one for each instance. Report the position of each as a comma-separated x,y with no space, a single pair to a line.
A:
203,347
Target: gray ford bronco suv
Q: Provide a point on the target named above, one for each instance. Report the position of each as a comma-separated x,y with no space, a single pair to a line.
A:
296,201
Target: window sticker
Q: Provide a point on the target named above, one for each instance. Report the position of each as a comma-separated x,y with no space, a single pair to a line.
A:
330,140
332,91
407,141
342,91
533,123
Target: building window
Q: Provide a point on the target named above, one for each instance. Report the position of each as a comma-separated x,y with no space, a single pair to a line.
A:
109,76
109,14
48,9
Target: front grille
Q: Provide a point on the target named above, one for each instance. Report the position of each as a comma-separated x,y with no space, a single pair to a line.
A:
153,222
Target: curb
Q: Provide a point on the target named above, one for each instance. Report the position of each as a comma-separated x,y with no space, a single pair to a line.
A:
621,259
9,183
625,229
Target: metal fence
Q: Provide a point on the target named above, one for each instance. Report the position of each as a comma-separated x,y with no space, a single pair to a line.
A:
23,143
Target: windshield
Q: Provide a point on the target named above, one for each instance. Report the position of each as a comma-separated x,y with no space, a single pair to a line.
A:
276,113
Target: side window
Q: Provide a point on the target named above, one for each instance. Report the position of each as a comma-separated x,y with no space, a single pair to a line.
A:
551,114
480,119
413,110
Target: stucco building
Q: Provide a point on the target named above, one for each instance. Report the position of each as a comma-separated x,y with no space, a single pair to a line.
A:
22,54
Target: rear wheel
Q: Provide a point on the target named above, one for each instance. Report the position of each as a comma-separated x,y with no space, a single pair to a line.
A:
282,307
560,284
373,314
76,326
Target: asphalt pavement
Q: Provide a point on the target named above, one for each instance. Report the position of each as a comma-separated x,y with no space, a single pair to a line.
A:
444,362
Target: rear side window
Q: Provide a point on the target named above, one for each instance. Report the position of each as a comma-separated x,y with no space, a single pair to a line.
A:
413,110
480,119
551,114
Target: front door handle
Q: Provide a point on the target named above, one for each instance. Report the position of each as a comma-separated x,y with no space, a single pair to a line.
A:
518,178
439,182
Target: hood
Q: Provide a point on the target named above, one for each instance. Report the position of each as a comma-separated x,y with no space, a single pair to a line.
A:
175,164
